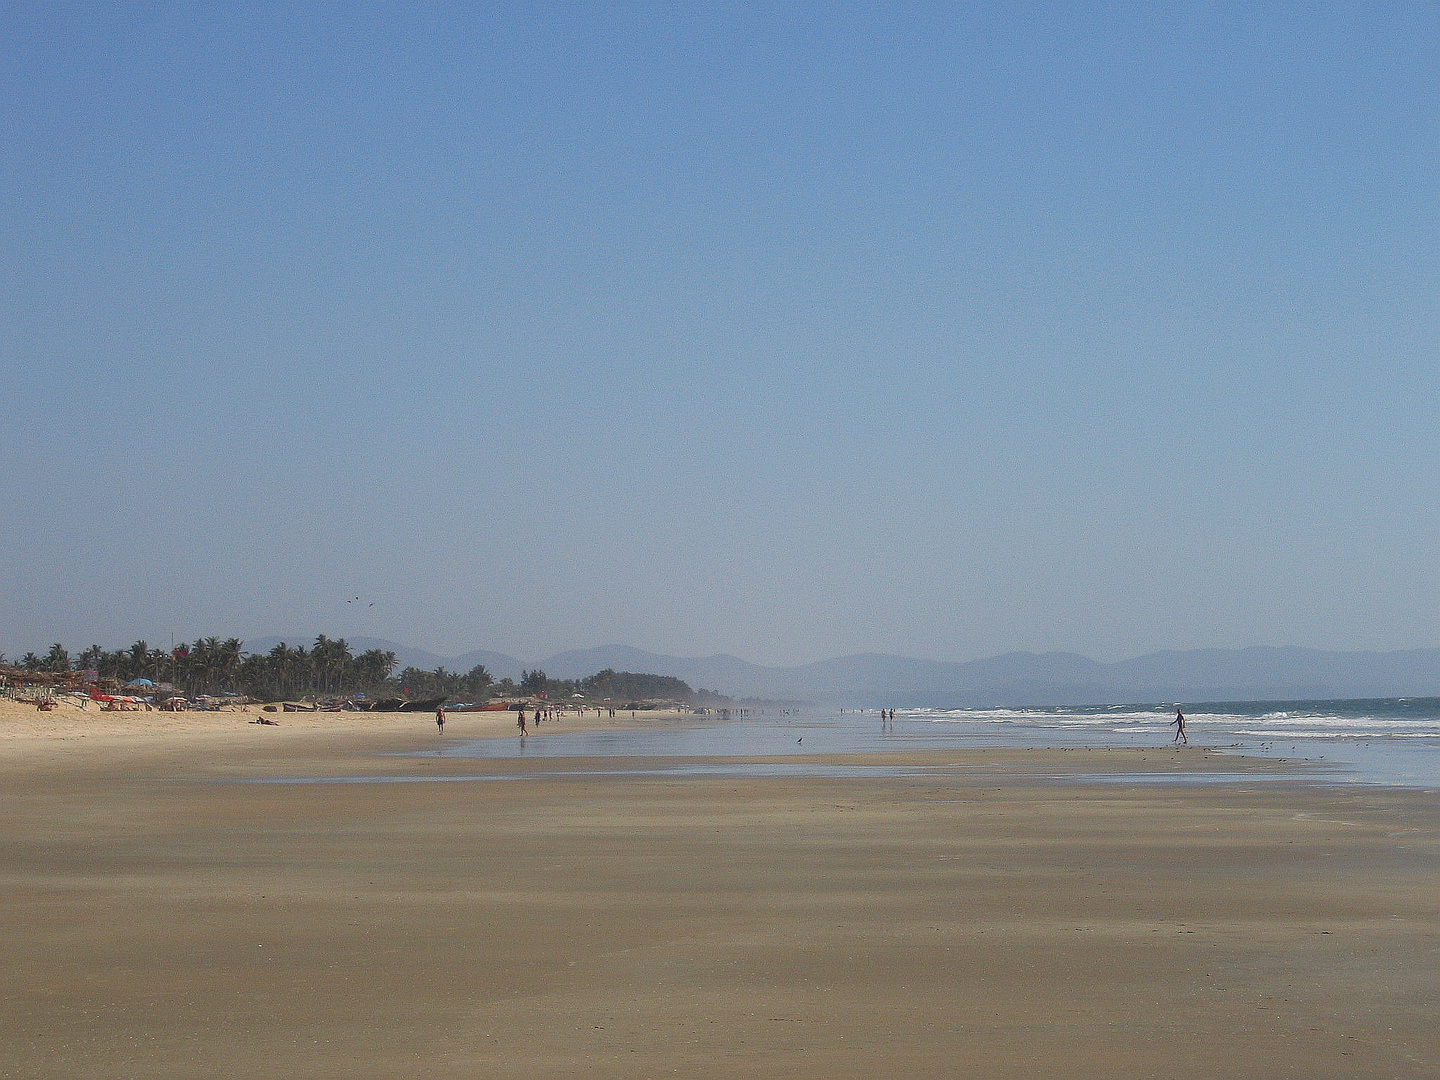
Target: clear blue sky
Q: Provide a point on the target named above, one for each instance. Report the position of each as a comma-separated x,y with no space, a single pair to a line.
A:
782,330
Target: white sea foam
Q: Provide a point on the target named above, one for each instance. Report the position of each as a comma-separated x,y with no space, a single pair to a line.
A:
1395,741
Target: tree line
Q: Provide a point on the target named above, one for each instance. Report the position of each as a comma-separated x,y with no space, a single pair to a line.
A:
211,665
329,667
477,684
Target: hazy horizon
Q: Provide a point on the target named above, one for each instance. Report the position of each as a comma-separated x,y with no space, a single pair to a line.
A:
447,654
783,333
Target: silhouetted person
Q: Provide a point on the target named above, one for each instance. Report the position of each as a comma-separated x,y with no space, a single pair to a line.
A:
1179,723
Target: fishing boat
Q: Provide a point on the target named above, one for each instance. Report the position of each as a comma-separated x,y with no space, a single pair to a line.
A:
427,705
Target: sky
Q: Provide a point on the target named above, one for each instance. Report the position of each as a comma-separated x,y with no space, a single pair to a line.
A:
784,330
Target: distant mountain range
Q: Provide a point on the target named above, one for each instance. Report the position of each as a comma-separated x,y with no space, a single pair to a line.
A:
1019,678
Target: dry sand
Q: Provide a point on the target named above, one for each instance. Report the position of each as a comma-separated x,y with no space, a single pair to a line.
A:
163,919
24,723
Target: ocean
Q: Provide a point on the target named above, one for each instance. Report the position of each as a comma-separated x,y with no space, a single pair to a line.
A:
1390,741
1376,740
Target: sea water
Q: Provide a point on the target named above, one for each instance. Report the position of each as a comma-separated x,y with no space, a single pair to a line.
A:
1393,741
1380,740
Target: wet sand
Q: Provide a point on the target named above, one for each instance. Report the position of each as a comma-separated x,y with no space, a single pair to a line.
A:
165,918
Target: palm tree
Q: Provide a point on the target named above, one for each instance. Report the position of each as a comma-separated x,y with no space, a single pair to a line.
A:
331,658
278,657
302,668
138,661
209,650
373,667
320,657
256,675
231,651
478,680
344,663
57,659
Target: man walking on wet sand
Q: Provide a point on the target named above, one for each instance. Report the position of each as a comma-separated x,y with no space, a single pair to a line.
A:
521,721
440,718
1179,723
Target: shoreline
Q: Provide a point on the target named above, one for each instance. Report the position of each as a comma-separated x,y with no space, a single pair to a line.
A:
374,742
377,742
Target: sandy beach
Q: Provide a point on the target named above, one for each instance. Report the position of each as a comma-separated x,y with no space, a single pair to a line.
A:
168,917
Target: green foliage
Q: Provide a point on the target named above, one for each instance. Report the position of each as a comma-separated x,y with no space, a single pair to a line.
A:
635,686
329,667
210,665
419,683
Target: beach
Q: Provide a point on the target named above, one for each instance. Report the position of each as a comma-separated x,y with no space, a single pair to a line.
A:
195,895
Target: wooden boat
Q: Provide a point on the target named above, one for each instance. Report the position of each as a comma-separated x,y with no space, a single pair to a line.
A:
427,705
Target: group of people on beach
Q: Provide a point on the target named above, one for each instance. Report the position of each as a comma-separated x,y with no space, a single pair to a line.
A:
540,714
520,720
887,718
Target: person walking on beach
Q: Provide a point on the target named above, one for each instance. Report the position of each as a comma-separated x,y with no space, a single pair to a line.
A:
1179,723
440,718
521,721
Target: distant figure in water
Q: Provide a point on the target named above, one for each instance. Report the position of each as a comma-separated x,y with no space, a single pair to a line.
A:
440,718
1179,723
521,721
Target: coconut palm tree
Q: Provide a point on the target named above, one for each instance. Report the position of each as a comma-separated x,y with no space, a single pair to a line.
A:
478,680
278,657
373,667
208,650
138,660
302,668
230,655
